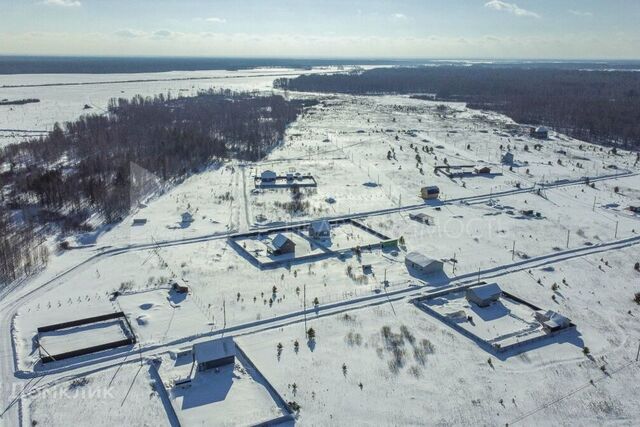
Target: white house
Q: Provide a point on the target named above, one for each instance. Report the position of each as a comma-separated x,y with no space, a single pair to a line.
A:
423,264
214,353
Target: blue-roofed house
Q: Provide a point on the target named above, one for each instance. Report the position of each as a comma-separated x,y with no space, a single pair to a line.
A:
320,230
280,245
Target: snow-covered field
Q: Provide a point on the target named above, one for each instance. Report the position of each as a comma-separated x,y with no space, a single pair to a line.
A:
377,359
123,395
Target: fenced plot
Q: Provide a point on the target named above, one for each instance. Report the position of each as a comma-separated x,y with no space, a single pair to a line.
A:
346,235
506,324
84,336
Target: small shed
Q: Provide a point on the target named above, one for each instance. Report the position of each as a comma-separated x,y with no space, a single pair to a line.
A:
540,132
180,288
215,353
480,170
320,230
552,321
422,218
423,264
430,192
507,158
268,176
483,295
281,244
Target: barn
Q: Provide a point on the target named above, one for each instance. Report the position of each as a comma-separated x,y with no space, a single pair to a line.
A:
483,295
213,354
423,264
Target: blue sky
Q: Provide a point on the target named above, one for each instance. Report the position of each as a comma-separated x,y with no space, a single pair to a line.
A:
562,29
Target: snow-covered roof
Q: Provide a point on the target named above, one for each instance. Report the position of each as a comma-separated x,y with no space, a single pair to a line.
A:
419,259
320,226
431,188
485,292
541,129
214,349
268,173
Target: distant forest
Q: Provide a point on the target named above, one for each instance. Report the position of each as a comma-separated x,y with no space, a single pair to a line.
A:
596,106
83,167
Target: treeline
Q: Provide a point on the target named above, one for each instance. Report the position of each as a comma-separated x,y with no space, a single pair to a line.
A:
19,101
596,106
21,249
84,167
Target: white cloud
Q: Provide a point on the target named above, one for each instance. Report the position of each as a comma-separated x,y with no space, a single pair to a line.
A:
512,8
399,16
216,20
162,33
129,34
580,13
63,3
546,46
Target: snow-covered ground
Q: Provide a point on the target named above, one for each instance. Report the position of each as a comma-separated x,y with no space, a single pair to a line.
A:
564,246
123,395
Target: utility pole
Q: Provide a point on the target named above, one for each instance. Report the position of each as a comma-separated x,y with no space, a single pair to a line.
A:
224,316
454,264
616,233
638,353
513,251
478,274
594,204
568,233
304,298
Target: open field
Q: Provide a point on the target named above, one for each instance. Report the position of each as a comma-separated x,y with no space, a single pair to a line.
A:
537,228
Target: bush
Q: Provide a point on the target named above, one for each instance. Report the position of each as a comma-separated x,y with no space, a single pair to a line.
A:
311,334
636,298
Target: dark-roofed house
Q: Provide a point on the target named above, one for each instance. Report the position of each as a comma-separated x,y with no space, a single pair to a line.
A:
268,176
423,264
483,295
482,170
212,354
320,230
507,158
281,244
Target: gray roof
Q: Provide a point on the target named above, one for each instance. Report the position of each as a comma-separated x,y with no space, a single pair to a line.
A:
484,292
214,349
419,259
320,226
280,240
